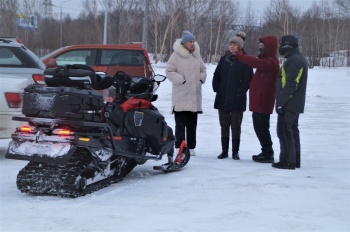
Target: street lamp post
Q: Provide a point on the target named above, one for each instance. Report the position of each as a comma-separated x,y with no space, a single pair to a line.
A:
105,23
61,37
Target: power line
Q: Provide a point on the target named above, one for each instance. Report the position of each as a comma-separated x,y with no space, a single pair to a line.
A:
47,8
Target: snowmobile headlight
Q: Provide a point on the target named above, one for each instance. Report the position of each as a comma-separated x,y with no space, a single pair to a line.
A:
62,132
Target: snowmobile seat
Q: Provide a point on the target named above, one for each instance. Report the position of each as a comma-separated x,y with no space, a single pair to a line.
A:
82,76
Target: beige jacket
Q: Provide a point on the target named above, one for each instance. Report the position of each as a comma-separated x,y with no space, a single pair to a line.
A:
187,72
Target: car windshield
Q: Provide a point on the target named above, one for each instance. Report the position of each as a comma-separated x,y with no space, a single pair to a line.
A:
81,56
131,62
122,57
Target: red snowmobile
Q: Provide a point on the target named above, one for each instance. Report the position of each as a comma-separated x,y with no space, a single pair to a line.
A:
76,142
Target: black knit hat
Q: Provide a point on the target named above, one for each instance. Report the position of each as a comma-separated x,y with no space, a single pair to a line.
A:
287,44
290,40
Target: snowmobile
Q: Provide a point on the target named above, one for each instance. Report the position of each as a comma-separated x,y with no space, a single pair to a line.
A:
77,142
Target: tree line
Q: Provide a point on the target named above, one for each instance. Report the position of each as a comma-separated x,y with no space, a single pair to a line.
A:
323,29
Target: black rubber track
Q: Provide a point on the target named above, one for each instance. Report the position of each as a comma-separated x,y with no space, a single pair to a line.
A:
61,180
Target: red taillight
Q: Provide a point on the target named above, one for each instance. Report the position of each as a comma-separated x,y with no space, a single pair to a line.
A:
28,129
62,132
39,79
117,138
19,41
14,100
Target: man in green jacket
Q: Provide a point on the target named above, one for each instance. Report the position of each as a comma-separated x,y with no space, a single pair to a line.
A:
290,101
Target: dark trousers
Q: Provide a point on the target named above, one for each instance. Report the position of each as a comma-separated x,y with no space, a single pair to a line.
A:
289,137
185,128
233,120
261,123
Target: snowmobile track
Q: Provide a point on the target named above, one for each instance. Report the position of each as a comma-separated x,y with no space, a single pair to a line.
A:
61,180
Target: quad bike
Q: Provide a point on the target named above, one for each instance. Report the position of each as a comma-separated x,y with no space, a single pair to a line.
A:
76,142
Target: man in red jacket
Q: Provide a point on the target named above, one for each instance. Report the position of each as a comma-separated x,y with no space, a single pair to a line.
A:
262,93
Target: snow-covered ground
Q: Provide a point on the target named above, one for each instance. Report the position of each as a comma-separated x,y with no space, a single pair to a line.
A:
211,194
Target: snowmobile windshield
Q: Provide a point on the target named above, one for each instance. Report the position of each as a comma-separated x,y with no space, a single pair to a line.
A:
131,62
132,75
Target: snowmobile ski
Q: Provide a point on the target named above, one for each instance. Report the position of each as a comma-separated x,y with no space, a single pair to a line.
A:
180,161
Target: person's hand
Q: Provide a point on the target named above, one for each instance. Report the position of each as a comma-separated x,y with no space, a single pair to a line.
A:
279,110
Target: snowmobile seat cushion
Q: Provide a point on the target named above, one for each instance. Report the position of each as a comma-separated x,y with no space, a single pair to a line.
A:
82,76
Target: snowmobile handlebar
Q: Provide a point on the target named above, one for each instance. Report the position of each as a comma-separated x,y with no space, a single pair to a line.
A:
126,86
131,74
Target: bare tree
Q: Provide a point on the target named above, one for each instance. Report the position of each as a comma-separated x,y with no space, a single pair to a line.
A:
322,30
94,20
174,13
280,18
228,14
344,7
251,25
155,9
313,45
8,10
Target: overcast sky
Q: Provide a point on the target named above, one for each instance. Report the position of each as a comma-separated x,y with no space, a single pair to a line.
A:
74,7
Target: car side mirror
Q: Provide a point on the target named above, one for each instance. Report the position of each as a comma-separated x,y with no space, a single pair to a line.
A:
51,63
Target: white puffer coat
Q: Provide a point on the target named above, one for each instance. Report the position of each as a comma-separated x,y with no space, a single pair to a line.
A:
187,72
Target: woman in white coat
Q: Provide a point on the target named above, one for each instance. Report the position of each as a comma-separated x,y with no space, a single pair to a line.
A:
186,70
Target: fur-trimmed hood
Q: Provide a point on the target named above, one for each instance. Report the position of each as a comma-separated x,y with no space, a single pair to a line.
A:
182,51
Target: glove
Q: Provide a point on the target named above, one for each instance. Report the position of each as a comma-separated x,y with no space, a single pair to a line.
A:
279,110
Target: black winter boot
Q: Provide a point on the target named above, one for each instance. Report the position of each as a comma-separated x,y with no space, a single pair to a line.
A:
224,145
235,148
297,164
280,165
263,158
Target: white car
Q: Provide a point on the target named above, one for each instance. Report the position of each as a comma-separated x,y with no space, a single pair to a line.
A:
11,93
18,60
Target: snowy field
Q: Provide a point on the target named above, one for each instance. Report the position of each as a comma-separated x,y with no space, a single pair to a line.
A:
211,194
